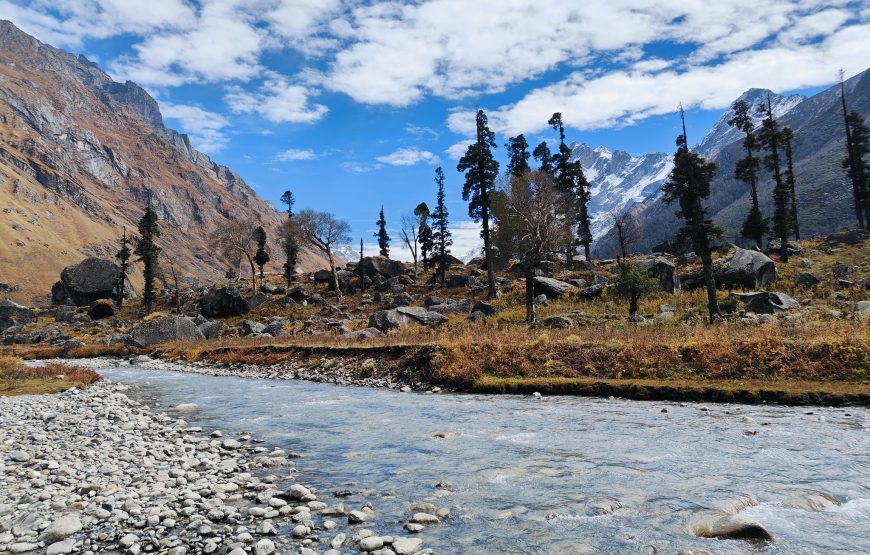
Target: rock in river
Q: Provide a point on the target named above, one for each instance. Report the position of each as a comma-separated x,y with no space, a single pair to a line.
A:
731,527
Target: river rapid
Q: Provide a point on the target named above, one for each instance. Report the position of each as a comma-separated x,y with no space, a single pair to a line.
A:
554,475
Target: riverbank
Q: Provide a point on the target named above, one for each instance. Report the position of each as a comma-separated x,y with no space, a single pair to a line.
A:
95,471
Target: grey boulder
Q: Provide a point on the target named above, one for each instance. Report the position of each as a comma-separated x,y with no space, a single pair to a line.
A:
745,268
13,314
769,302
402,317
664,271
552,288
163,329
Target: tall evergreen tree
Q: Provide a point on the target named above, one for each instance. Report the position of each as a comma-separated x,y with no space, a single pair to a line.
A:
291,244
854,165
770,138
381,234
261,257
583,194
518,155
570,178
755,225
441,233
148,251
787,138
481,171
858,165
545,158
424,234
123,257
689,184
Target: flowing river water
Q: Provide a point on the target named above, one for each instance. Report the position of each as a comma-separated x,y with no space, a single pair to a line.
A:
555,475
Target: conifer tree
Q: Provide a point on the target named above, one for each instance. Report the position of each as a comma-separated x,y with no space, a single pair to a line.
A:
261,257
381,234
545,158
148,251
123,257
689,184
583,195
857,147
424,234
770,138
787,138
518,155
291,244
481,171
441,235
755,225
570,178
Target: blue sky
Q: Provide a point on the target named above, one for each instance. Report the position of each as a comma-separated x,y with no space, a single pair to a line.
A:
352,104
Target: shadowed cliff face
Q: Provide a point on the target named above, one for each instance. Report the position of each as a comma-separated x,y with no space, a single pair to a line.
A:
78,153
824,192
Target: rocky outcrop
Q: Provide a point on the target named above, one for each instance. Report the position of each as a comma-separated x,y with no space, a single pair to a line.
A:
86,282
398,318
13,314
163,329
373,266
664,271
745,268
551,288
223,303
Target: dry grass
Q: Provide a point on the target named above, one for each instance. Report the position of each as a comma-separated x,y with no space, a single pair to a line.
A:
18,379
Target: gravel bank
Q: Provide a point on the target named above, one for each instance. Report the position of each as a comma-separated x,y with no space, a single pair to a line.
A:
93,471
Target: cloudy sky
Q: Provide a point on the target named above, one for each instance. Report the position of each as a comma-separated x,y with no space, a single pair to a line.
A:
353,104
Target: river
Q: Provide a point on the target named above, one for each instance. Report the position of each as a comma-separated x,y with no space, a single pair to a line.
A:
542,476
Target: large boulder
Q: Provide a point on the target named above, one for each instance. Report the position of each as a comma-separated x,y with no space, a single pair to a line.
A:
13,314
372,266
211,330
402,317
731,527
848,237
745,268
223,303
164,328
664,271
768,302
552,288
90,280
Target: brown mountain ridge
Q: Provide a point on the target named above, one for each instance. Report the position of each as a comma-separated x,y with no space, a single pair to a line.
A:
78,155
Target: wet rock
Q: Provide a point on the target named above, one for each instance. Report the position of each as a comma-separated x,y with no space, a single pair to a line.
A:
371,543
407,546
551,288
13,314
815,501
223,303
357,517
163,329
731,527
424,518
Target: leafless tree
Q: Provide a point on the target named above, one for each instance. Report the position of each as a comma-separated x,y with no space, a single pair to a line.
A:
410,225
527,210
628,231
236,240
324,232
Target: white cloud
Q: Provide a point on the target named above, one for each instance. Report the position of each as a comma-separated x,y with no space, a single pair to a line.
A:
357,167
277,100
466,243
294,154
457,151
408,157
420,131
203,127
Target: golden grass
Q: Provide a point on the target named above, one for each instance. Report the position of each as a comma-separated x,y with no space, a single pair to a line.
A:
18,379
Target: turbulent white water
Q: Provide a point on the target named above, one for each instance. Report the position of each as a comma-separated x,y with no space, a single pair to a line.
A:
542,476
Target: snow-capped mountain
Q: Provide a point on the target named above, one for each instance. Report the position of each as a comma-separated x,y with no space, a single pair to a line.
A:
619,180
722,134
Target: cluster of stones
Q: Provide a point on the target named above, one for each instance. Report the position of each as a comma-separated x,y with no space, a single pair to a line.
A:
93,471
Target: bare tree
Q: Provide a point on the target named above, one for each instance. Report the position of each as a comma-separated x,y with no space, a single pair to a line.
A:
527,210
236,240
324,232
410,225
628,231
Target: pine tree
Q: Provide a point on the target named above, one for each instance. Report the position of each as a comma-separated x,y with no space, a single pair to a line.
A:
481,171
570,178
542,154
583,193
518,154
381,234
857,170
291,245
770,138
424,234
689,184
441,235
261,257
123,257
755,225
148,252
787,138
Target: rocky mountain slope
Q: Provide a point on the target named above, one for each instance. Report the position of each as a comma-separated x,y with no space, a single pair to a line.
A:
78,155
823,191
